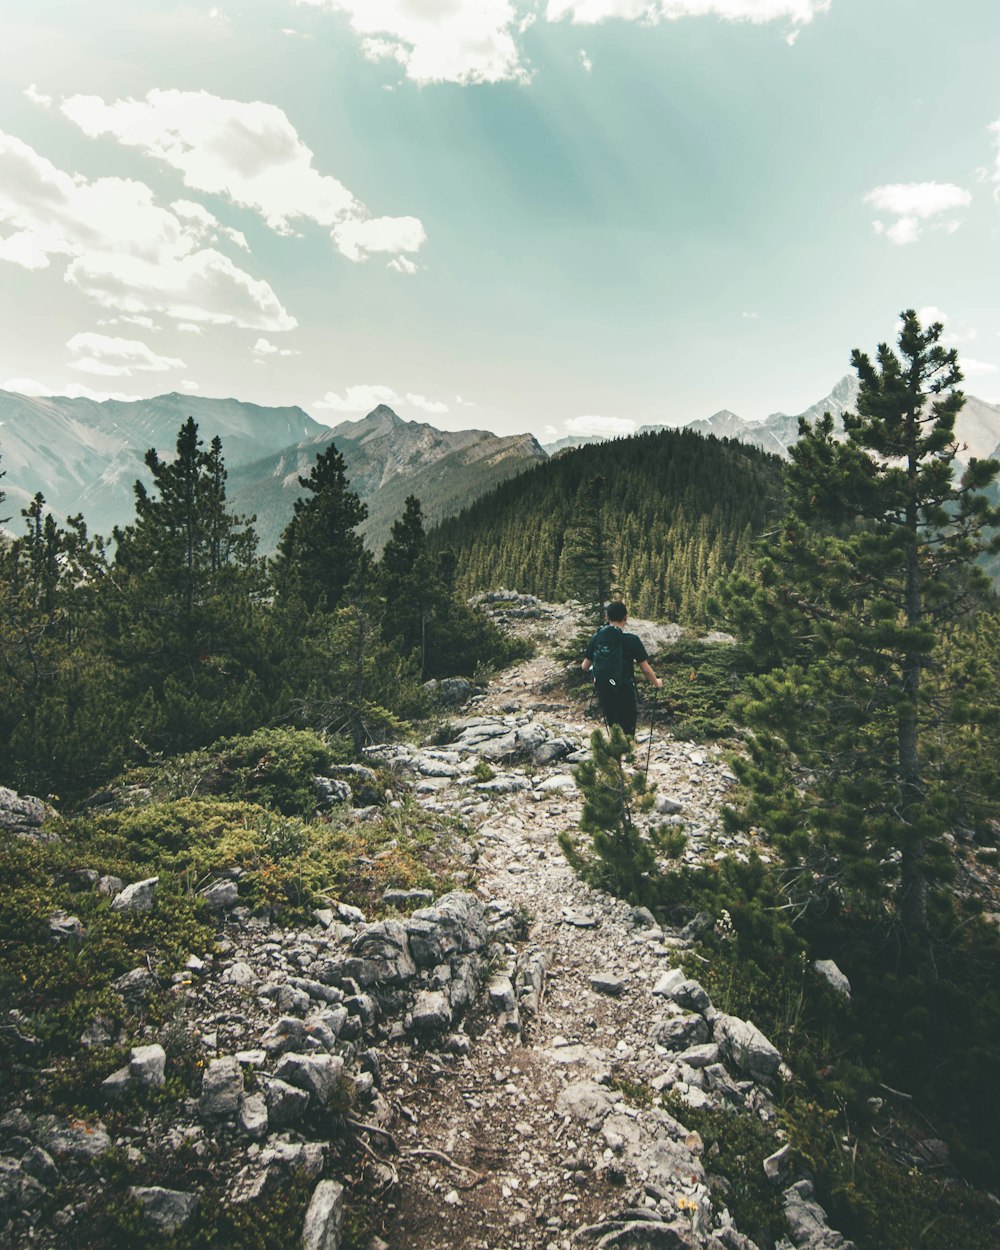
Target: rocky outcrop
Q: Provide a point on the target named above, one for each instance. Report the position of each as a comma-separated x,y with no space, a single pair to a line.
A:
24,814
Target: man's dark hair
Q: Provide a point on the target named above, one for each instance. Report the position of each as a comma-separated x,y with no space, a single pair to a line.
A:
617,611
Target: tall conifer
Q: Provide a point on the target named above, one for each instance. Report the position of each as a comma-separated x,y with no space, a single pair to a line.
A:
320,551
874,560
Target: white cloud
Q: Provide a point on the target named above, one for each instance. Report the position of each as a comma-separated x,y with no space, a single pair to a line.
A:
116,358
461,41
265,348
357,239
750,316
205,286
126,252
433,406
147,323
208,222
799,12
976,368
929,314
403,264
585,61
600,427
188,327
912,204
248,151
358,399
189,385
25,386
37,97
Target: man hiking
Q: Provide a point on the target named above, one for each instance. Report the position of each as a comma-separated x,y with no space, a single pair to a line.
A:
611,654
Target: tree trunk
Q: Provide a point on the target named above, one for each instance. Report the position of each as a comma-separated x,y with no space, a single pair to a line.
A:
913,884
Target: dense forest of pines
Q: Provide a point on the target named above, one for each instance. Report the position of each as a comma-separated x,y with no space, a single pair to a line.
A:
175,632
673,511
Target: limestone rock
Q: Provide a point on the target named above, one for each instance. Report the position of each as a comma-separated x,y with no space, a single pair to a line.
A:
220,895
586,1101
331,790
381,953
832,974
807,1221
253,1116
74,1139
324,1217
681,1032
431,1012
147,1065
285,1103
454,925
165,1209
221,1089
139,896
317,1074
63,926
22,813
746,1046
136,983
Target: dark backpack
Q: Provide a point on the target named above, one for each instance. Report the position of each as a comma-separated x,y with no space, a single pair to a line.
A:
608,657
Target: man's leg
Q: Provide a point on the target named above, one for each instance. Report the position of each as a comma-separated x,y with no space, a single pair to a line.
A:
618,707
629,711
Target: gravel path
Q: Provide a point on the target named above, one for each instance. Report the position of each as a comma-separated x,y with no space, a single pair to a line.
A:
504,1162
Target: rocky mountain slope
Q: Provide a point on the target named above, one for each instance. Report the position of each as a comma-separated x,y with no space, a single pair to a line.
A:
977,427
85,456
514,1064
387,459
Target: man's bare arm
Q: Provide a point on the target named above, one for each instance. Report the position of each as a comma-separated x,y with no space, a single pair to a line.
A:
648,672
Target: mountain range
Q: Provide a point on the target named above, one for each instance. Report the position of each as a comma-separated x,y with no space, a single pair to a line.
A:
977,427
85,456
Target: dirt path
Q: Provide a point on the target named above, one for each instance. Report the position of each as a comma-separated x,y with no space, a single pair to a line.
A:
502,1163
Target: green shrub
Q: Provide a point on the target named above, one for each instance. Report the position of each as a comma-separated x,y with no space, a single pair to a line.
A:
700,680
272,767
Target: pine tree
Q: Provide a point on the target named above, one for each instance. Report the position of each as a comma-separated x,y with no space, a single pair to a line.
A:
185,621
586,571
409,583
874,561
623,858
320,551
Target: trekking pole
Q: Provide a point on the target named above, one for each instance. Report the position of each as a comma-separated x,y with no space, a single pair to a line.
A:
649,745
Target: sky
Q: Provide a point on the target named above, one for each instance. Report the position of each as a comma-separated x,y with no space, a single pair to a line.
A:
555,216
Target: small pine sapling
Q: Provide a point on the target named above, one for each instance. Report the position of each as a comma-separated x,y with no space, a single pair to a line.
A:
624,859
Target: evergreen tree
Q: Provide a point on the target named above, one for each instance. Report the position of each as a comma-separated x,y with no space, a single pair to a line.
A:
409,583
320,552
873,562
185,622
623,858
585,568
61,719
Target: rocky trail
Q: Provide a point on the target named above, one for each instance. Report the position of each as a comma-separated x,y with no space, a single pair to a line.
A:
506,1045
517,1133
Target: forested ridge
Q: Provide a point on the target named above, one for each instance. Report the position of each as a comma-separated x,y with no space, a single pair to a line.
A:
677,512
